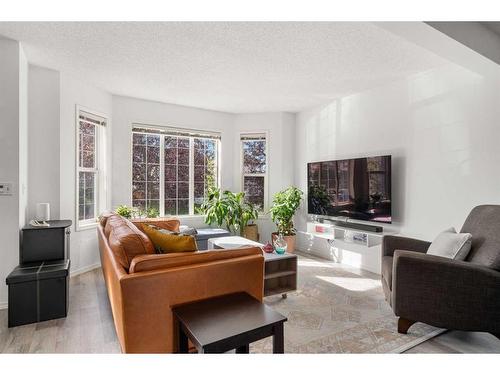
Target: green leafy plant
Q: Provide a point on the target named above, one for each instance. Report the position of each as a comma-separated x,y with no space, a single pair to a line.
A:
152,212
285,204
228,208
125,211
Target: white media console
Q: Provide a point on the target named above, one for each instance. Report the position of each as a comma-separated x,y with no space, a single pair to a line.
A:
354,247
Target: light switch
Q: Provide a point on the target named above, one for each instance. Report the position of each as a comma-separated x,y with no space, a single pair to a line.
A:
5,188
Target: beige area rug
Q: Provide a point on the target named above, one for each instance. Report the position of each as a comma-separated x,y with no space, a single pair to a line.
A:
340,309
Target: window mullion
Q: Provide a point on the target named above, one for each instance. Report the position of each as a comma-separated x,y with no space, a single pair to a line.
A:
162,177
191,175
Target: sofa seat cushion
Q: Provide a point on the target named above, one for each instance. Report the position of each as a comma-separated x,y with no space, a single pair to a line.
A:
166,241
387,270
126,241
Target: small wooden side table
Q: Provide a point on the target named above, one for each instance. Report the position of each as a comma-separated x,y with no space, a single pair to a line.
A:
280,273
220,324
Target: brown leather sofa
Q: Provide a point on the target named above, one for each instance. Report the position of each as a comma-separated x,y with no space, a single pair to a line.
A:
143,287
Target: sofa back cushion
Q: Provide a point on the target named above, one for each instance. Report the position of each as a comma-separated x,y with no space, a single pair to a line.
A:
483,224
126,241
168,224
143,263
103,218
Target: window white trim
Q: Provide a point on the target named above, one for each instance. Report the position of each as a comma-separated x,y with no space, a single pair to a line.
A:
164,130
100,168
265,134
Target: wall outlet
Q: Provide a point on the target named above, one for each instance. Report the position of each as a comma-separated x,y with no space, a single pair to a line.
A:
5,188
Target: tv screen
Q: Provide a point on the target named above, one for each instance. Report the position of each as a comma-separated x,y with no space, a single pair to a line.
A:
355,188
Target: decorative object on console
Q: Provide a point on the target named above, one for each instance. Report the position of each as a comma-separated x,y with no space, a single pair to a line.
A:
285,204
42,212
280,244
450,244
268,248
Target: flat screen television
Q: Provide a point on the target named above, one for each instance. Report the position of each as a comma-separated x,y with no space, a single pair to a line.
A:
354,188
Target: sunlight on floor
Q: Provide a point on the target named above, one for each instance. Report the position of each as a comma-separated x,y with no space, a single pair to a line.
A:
354,284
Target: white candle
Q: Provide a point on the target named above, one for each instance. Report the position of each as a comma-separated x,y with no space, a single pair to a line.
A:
43,211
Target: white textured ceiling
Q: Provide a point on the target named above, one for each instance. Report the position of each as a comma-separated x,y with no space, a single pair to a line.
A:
225,66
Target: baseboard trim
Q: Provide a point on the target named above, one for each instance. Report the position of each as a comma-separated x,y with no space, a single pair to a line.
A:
84,269
3,305
418,341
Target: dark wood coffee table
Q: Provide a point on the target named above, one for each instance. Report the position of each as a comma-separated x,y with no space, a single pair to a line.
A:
220,324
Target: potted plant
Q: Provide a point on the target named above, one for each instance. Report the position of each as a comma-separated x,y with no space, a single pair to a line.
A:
247,214
285,204
230,209
134,213
125,211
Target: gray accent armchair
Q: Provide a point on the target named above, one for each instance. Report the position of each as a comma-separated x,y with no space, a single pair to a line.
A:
447,293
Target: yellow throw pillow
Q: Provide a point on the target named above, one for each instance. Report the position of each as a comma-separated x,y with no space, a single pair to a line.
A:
169,242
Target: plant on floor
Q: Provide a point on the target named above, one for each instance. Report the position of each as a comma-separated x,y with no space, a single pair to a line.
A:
228,208
285,204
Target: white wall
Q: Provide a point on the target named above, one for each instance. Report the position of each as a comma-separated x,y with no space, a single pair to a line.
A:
129,110
13,107
441,127
84,247
43,139
280,129
23,137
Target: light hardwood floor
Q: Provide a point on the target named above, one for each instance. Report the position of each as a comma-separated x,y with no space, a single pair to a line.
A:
89,328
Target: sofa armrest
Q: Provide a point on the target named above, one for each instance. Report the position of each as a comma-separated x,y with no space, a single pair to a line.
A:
392,243
446,293
148,297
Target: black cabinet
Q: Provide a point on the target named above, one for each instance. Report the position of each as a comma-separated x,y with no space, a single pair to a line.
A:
38,292
45,243
38,287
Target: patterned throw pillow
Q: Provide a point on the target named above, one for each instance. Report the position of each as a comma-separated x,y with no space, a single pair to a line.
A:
166,241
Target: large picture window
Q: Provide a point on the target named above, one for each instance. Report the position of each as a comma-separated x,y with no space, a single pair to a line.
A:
254,169
173,169
90,166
